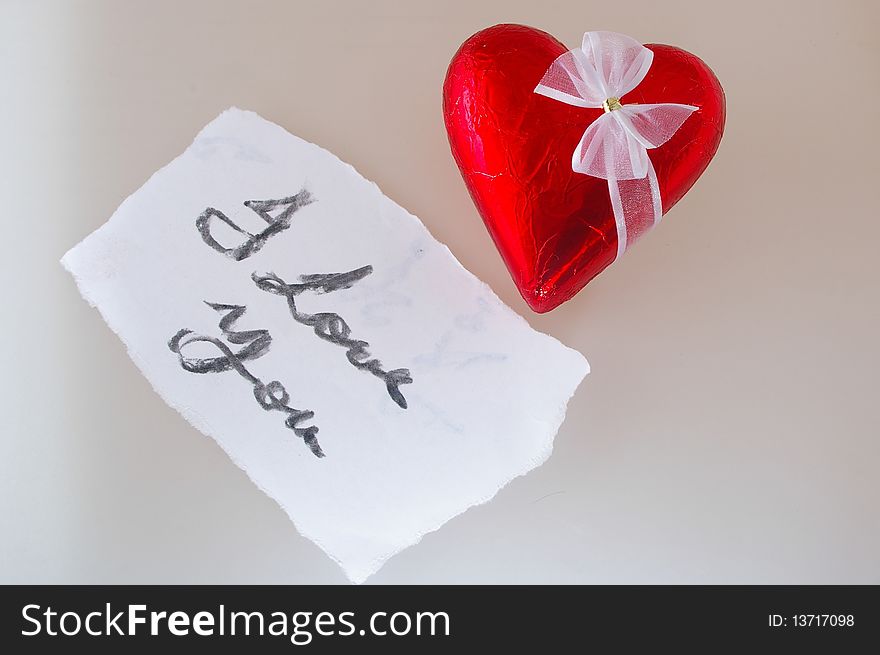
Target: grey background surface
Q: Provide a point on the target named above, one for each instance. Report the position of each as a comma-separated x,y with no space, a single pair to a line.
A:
729,430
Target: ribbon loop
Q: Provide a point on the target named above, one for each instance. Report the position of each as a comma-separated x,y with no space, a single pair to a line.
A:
615,146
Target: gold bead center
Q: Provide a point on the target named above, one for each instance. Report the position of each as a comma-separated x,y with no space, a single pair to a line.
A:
611,104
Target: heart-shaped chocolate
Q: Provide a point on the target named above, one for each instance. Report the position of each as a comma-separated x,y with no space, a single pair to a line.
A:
555,228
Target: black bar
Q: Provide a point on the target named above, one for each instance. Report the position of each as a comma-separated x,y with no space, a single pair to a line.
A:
544,619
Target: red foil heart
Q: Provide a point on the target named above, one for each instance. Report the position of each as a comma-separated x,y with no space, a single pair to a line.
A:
554,227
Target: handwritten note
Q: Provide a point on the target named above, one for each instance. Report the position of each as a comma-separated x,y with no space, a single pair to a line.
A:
312,327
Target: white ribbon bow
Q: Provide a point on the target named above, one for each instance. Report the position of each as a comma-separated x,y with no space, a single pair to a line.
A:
615,146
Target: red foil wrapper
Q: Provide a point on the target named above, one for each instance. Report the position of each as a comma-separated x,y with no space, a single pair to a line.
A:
554,227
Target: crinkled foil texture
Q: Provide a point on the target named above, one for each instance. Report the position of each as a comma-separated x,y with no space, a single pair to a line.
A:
555,228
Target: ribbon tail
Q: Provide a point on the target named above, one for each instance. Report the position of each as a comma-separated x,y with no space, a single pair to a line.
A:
637,207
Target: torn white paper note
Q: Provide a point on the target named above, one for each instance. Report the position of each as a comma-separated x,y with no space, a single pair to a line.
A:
333,348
